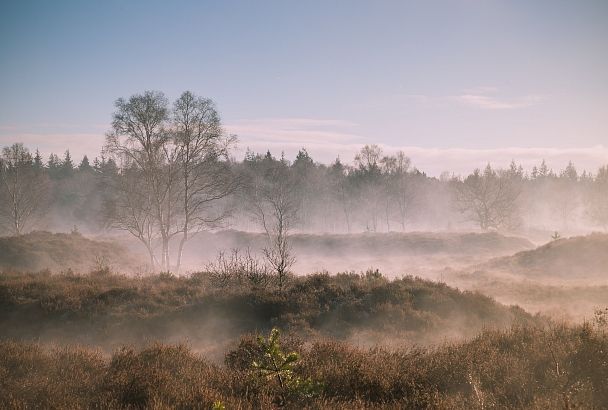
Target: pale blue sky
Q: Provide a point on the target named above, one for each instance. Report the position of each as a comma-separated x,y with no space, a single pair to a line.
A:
481,78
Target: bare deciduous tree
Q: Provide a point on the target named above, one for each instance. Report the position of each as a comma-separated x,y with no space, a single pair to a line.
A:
140,137
488,198
399,186
180,159
130,209
275,206
23,189
205,178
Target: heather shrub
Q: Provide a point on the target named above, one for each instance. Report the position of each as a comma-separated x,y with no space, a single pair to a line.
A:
110,310
557,366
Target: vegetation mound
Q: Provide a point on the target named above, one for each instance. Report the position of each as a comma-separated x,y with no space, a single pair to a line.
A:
110,310
580,257
59,252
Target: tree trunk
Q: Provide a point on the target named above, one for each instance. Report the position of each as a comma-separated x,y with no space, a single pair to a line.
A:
180,251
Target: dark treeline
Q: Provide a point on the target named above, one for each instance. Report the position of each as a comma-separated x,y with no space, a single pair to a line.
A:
167,172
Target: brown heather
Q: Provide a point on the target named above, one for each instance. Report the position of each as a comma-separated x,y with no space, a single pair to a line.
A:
167,342
558,367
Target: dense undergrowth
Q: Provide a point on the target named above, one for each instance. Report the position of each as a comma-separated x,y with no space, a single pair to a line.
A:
524,367
111,341
110,310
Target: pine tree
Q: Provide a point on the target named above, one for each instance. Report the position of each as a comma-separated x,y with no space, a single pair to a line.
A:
97,164
38,160
303,159
67,164
53,162
543,170
84,164
534,174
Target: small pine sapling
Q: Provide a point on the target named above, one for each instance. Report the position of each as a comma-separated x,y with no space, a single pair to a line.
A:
278,366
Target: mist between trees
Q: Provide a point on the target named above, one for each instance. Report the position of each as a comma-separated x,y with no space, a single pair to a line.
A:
167,172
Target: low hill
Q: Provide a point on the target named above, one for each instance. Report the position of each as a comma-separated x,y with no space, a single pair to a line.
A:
60,252
566,278
109,310
580,257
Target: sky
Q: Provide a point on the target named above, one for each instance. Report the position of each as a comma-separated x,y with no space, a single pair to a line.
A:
454,83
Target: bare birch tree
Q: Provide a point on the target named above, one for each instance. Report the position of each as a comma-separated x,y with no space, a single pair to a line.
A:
180,157
23,190
131,209
202,154
140,137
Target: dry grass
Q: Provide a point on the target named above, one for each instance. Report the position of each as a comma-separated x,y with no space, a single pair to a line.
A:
524,367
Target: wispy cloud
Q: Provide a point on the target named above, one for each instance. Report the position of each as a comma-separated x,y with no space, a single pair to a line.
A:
485,98
489,98
294,130
487,102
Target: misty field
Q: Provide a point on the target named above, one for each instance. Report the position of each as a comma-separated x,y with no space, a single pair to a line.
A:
83,334
271,204
169,274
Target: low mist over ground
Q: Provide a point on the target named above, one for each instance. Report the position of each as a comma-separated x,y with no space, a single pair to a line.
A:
565,278
220,205
394,253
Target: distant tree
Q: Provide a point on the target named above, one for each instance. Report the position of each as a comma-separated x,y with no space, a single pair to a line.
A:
401,187
534,173
84,164
303,160
343,190
564,195
516,171
371,188
274,205
307,186
38,160
23,189
543,171
570,172
67,164
368,159
488,198
597,203
53,164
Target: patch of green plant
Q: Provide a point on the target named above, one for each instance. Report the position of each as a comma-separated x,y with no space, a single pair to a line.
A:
275,365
